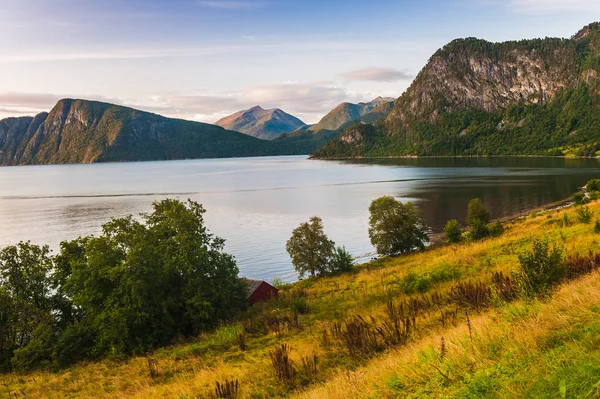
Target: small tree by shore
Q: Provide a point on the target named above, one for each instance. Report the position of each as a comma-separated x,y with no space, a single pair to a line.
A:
395,227
310,249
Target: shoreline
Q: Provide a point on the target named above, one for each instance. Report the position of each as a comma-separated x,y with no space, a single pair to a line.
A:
438,238
310,157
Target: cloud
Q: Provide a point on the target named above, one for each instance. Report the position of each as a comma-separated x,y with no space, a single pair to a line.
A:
230,5
377,74
28,100
245,46
309,101
14,103
550,6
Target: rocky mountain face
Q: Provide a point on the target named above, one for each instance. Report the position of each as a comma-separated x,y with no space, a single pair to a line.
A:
261,123
346,112
79,131
475,97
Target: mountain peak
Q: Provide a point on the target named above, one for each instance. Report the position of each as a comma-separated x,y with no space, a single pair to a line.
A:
256,108
262,123
586,31
346,112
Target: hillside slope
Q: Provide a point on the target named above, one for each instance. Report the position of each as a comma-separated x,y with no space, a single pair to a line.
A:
492,344
80,131
346,112
479,98
261,123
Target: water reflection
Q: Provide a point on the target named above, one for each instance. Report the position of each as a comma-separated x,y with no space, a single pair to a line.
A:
255,203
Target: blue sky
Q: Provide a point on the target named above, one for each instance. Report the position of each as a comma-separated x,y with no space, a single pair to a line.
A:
202,60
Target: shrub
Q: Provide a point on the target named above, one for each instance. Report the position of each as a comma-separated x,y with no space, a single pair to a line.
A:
593,185
597,227
580,199
496,228
300,306
453,231
413,282
477,213
341,261
479,230
584,215
541,269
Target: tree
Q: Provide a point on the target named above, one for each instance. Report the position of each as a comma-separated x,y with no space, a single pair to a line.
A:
453,231
395,227
25,299
478,218
140,285
310,249
341,261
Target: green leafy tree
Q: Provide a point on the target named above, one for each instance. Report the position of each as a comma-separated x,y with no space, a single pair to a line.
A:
341,261
140,285
310,249
25,300
453,231
395,227
478,218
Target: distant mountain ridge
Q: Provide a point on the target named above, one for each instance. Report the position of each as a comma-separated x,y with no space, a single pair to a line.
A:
346,112
261,123
80,131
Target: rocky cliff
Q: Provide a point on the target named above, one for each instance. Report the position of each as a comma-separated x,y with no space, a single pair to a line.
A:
479,98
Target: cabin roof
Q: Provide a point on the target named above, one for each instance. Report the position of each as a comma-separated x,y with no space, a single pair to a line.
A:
253,285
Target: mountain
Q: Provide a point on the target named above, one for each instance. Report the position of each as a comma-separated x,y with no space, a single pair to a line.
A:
261,123
346,112
80,131
537,97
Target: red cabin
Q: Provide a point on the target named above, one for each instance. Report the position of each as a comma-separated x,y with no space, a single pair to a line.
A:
259,291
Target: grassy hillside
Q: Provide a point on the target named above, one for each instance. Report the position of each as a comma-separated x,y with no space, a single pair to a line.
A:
469,335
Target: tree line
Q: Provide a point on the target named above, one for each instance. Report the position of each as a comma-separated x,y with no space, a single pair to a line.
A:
141,284
394,228
136,286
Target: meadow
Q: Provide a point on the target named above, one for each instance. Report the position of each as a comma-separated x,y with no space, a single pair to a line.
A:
449,321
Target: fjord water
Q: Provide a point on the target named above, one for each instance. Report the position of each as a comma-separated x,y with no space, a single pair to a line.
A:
254,203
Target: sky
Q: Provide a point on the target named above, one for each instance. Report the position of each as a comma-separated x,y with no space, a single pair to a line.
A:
205,59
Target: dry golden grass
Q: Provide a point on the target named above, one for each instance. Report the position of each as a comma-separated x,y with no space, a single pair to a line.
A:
191,369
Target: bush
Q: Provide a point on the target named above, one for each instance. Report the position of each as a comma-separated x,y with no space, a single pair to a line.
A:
479,230
341,261
477,213
593,185
478,218
300,306
584,215
453,231
580,199
541,269
413,282
496,228
597,227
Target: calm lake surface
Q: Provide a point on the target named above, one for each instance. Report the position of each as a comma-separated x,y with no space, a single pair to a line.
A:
255,203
